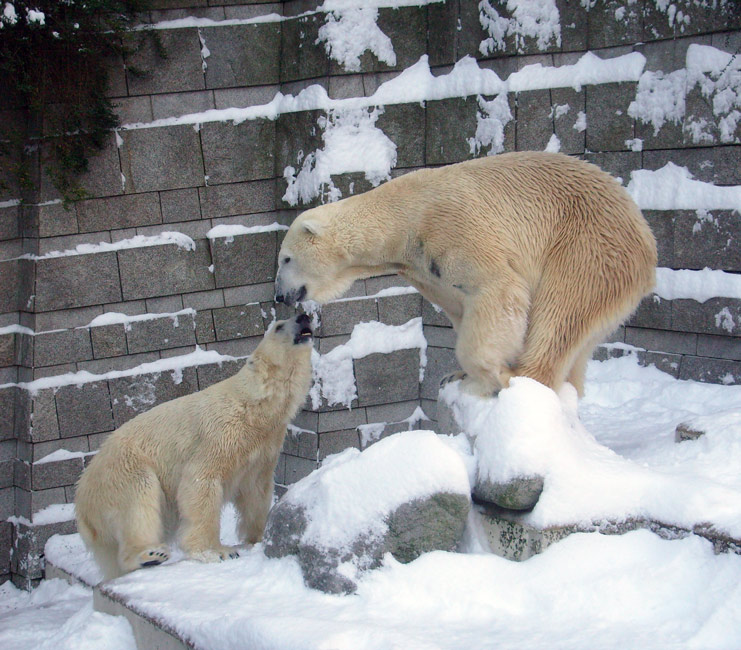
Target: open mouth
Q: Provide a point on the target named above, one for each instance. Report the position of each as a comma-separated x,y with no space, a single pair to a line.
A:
304,335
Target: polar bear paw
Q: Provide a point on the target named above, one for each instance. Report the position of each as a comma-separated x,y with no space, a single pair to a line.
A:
451,377
153,556
218,554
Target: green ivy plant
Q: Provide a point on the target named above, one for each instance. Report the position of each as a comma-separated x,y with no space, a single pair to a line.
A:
54,58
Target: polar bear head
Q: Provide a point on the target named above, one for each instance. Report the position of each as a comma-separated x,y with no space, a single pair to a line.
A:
312,263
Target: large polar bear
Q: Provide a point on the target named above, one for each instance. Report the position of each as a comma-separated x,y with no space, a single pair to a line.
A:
534,257
179,462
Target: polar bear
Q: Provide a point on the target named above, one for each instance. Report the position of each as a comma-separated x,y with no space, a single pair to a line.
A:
181,461
535,257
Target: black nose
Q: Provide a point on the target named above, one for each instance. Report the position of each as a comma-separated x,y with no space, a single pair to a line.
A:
303,320
279,297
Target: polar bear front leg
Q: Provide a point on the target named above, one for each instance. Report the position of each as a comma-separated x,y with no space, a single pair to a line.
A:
491,337
199,502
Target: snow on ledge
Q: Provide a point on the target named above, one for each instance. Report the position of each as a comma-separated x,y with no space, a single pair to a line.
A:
63,454
674,188
231,231
697,285
417,84
175,365
139,241
53,514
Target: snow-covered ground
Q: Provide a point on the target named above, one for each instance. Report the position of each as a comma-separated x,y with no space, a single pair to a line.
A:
587,591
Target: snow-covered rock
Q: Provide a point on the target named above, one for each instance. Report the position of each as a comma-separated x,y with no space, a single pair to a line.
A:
405,495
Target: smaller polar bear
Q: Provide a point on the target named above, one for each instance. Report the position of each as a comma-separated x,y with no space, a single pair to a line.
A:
535,257
181,461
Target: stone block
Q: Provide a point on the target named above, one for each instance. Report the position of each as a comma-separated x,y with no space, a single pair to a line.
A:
301,57
248,259
664,21
56,220
333,442
238,152
297,468
440,337
653,312
713,371
6,537
721,316
608,122
208,375
237,198
661,340
77,280
238,322
180,71
613,22
397,310
127,211
618,163
164,270
711,240
180,205
178,104
434,316
383,378
108,340
662,225
296,135
404,125
161,333
341,419
341,317
161,158
54,348
243,97
449,123
27,553
133,110
16,278
534,120
722,347
716,165
139,393
440,362
84,409
470,33
8,349
45,422
78,444
574,25
572,140
55,473
7,503
242,55
442,29
205,330
301,443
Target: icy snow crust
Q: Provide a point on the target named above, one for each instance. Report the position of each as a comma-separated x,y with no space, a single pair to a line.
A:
587,591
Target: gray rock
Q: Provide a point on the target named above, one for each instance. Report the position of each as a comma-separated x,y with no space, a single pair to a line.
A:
521,493
687,431
426,511
420,526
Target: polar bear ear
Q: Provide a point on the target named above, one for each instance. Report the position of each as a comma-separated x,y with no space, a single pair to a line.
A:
313,227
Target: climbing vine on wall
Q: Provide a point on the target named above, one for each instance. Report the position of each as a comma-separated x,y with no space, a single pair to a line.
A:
54,61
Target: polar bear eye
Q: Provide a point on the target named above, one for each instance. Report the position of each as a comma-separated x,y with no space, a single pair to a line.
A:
279,327
286,260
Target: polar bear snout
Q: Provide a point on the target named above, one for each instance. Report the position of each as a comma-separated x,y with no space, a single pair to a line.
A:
291,296
302,329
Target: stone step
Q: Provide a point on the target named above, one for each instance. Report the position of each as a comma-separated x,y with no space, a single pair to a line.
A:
511,536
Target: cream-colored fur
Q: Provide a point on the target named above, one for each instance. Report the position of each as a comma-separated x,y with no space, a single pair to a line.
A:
177,464
534,257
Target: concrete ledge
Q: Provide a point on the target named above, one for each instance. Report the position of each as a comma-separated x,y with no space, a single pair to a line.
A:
148,632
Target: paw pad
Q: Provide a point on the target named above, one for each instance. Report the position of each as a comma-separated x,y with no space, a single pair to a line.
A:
153,557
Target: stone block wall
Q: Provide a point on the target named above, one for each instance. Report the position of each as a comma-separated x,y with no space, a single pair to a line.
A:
129,298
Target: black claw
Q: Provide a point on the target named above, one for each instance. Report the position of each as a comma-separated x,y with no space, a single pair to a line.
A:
151,563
